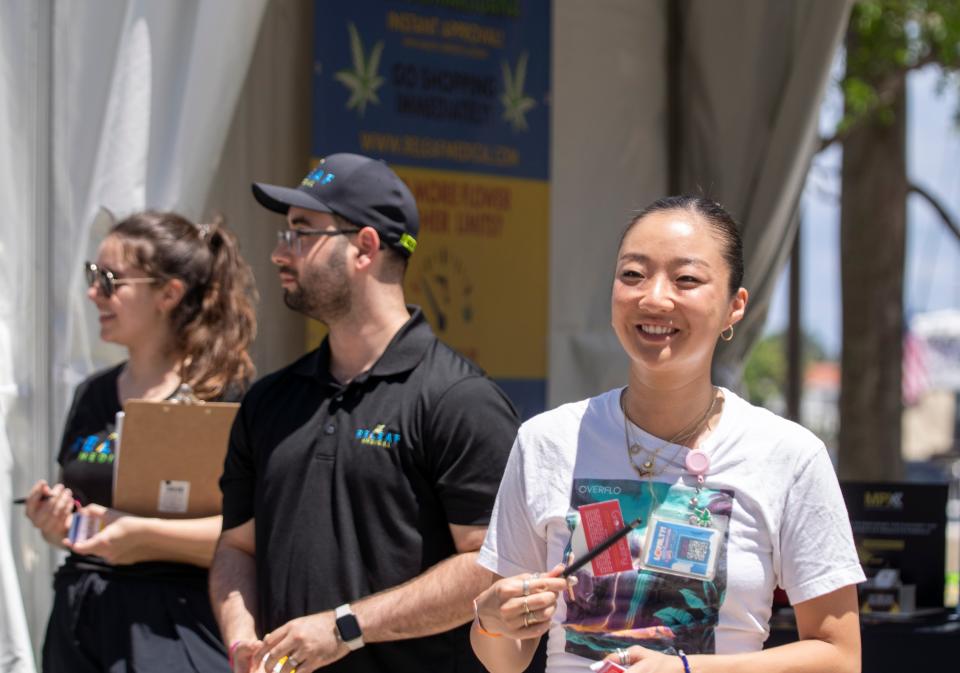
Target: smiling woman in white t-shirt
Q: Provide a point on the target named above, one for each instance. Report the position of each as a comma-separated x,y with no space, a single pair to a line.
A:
731,499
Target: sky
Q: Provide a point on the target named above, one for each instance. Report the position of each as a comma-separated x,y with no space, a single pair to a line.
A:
932,276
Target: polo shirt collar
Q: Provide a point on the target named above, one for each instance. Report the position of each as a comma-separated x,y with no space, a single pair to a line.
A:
403,353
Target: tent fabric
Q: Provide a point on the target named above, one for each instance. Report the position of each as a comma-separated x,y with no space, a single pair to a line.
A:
752,77
151,89
128,107
608,158
21,65
752,74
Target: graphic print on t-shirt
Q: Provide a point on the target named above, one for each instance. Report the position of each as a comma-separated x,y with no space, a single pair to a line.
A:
95,448
664,612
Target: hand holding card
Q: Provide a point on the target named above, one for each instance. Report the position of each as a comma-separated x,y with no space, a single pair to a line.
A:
605,533
113,536
83,527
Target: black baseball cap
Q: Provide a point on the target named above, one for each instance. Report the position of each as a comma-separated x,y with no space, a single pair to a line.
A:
363,190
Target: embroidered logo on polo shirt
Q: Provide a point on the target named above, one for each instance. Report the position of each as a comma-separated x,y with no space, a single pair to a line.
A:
378,437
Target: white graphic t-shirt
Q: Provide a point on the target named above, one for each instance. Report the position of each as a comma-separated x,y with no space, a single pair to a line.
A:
700,575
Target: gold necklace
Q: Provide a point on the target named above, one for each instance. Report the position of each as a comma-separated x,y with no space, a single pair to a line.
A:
648,467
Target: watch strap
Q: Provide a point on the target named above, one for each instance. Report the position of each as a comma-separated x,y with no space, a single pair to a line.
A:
348,629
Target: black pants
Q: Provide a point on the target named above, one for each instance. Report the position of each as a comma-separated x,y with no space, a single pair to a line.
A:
115,624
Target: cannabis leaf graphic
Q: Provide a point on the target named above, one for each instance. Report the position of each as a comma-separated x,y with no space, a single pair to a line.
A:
515,103
363,81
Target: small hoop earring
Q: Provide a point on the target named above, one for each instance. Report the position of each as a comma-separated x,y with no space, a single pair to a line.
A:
725,336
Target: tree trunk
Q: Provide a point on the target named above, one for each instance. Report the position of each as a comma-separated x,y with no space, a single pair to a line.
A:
872,253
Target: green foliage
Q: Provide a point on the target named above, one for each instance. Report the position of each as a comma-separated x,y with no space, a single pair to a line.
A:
891,37
901,34
765,374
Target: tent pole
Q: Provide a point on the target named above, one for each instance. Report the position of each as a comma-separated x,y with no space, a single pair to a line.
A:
674,48
794,331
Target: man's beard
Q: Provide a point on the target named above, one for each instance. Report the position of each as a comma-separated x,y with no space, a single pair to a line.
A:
321,293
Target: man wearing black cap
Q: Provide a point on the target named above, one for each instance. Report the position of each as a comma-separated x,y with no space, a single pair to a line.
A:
360,479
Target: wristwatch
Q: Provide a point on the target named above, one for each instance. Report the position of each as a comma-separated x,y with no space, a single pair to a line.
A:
348,630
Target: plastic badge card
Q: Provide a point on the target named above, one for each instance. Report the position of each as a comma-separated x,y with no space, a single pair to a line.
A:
678,548
83,527
607,667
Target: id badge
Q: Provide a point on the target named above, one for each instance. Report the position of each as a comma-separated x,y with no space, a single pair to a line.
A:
675,547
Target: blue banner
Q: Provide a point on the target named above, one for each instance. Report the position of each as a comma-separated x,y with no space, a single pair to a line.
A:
445,84
455,95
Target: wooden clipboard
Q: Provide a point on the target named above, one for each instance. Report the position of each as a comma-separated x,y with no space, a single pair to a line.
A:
170,458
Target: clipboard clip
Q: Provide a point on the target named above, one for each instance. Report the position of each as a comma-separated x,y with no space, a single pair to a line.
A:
184,395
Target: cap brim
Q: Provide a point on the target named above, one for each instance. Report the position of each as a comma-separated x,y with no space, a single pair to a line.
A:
279,199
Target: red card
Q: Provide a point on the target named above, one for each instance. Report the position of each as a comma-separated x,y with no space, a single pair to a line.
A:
600,520
607,667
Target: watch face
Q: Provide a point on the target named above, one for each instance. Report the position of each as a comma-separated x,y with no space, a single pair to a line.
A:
349,628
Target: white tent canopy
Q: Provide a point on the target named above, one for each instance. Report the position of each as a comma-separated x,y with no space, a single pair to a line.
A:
118,104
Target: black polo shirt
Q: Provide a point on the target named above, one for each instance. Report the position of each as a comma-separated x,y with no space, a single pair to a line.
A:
352,486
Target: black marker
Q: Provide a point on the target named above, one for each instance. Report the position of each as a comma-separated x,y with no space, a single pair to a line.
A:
45,496
600,548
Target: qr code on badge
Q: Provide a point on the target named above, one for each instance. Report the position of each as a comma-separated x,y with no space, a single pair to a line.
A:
694,550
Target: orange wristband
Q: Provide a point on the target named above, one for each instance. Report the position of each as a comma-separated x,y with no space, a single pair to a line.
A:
479,625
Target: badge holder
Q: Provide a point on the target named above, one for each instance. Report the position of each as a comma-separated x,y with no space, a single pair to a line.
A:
677,547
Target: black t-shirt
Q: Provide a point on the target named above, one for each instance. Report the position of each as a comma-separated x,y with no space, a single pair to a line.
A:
88,445
86,458
352,487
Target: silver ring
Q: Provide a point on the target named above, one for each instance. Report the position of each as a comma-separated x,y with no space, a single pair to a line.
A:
526,586
293,662
277,667
624,657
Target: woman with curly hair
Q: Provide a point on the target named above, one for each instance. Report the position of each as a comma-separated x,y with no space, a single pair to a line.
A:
133,597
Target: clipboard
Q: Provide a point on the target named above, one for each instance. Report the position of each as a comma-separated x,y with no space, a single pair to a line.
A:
170,458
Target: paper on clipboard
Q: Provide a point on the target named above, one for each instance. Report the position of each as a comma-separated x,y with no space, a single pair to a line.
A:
170,457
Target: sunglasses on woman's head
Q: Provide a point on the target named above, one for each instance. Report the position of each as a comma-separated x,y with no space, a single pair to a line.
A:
106,281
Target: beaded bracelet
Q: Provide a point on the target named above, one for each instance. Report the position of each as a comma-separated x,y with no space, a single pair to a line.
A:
476,620
683,658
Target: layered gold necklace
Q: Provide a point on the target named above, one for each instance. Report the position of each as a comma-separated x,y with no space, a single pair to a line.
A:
648,468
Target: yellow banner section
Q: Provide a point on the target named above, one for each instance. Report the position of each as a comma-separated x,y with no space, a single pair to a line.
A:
480,268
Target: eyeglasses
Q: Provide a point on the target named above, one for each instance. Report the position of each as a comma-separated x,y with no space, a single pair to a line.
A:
107,282
291,237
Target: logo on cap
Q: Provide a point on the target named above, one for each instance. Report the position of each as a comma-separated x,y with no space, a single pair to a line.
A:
408,242
318,175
